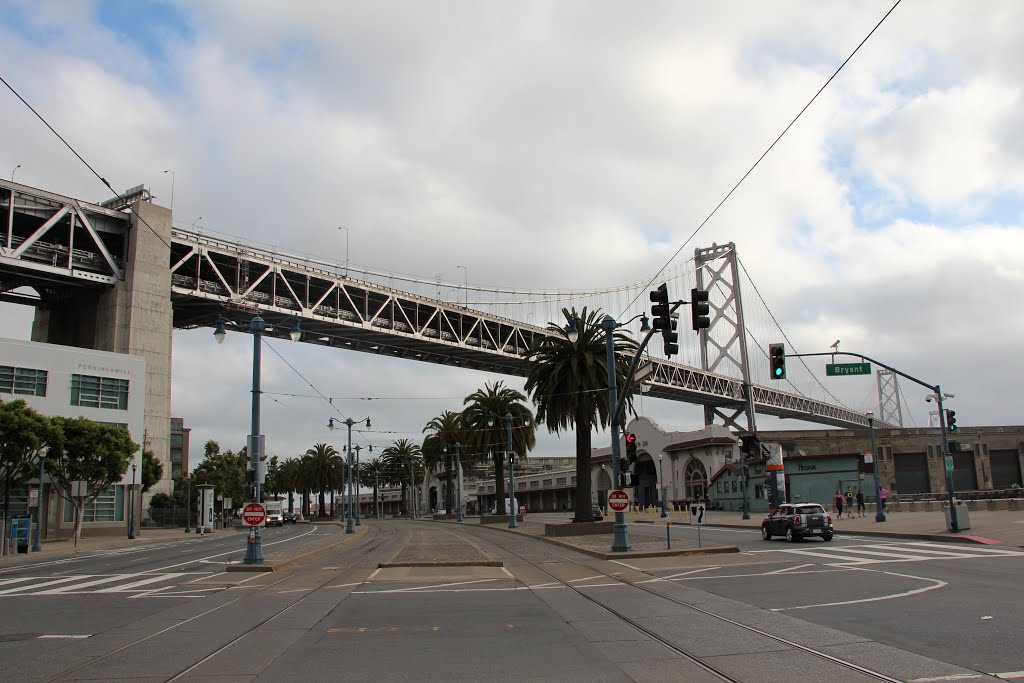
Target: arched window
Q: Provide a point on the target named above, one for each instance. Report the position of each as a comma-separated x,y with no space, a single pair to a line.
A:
696,479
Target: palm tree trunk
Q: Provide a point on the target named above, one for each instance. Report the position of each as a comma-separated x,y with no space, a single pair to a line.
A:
322,509
584,510
499,482
449,498
402,507
290,508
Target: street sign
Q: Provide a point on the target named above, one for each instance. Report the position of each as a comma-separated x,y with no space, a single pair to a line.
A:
842,369
949,464
254,514
697,513
33,497
868,458
618,501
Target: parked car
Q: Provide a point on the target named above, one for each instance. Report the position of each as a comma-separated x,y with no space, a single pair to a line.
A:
291,517
797,520
597,513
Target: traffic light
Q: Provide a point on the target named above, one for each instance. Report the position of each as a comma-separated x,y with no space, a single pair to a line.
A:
953,446
630,447
951,420
664,319
777,359
700,309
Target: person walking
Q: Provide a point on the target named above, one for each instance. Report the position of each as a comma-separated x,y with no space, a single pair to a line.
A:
838,502
883,496
849,503
860,503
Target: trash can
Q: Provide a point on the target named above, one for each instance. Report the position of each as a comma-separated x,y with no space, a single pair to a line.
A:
963,515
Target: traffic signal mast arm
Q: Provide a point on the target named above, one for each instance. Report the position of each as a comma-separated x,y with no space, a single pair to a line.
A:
635,364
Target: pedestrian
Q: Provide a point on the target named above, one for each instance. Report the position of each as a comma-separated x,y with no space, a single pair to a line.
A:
838,502
883,496
849,503
860,503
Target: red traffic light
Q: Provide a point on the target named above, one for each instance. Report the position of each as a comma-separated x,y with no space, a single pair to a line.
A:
630,437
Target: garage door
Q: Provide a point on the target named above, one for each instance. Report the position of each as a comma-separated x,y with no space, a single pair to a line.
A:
1005,469
911,472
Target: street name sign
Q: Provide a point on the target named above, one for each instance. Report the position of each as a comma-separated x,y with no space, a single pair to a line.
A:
949,464
618,501
254,514
843,369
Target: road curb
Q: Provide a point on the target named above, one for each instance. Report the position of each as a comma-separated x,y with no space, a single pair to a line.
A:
979,540
284,564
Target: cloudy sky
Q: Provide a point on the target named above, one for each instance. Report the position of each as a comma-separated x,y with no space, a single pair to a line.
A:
557,145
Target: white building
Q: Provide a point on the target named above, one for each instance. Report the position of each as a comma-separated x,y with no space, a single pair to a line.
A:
74,382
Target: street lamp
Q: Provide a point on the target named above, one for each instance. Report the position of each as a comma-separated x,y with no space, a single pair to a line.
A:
254,547
661,476
13,170
172,188
342,227
458,479
357,485
188,505
512,502
348,422
879,512
620,538
131,513
37,544
196,221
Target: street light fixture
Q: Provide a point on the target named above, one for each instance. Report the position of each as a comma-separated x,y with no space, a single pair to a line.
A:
131,512
879,512
348,422
13,170
512,502
254,546
458,479
172,188
196,221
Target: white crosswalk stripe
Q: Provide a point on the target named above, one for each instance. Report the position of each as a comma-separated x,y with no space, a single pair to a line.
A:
132,584
878,553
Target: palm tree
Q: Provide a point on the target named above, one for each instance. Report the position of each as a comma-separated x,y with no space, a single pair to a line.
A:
373,469
568,382
439,448
325,470
399,458
486,431
289,478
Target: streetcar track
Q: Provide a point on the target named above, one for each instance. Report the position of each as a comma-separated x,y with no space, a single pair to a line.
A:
672,646
106,655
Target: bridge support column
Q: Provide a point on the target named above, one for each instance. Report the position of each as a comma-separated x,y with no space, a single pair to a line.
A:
134,317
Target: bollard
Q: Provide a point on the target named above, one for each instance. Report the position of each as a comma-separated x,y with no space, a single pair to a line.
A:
668,532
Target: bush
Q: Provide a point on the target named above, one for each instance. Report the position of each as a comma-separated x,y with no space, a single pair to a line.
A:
160,501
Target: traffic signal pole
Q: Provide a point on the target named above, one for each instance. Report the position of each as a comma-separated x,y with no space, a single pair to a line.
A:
954,526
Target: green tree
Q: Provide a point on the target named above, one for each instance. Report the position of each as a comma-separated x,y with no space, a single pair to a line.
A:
568,382
487,431
373,470
324,469
401,460
152,470
90,452
24,437
439,449
290,479
226,471
272,484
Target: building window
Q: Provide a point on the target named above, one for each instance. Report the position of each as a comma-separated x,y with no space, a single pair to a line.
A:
177,425
718,486
25,381
547,482
175,455
758,492
734,487
176,439
574,480
534,484
175,470
99,392
560,480
108,507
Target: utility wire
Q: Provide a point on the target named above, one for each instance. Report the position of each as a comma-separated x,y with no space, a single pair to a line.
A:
87,164
770,147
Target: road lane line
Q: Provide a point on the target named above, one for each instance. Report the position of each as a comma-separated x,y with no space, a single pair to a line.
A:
86,584
11,591
76,636
787,569
143,582
936,583
441,585
1010,675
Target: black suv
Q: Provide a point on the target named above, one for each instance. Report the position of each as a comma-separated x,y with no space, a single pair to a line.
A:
796,520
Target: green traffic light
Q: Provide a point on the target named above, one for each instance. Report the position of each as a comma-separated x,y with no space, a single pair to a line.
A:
778,372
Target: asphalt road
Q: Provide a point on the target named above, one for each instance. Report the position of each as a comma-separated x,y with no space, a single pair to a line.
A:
168,612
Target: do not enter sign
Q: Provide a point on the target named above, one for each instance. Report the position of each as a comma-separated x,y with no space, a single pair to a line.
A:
254,514
618,501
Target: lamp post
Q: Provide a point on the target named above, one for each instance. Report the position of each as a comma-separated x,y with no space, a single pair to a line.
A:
412,490
37,544
465,273
131,513
357,486
879,512
342,227
620,537
254,547
188,505
458,480
512,503
172,188
348,422
13,170
661,476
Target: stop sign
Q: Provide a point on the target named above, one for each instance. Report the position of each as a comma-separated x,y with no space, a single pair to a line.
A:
618,501
254,514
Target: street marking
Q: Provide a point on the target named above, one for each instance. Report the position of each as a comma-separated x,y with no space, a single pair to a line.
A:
294,590
670,577
345,585
384,629
375,572
627,565
586,578
786,569
143,582
936,583
7,582
1010,675
439,585
85,584
507,572
10,591
951,677
74,636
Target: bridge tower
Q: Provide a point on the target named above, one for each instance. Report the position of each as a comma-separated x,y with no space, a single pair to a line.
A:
723,345
133,316
889,409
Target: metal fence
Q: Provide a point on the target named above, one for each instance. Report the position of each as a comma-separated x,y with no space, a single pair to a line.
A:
168,518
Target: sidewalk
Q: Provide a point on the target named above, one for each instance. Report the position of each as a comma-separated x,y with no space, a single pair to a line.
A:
65,548
997,527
